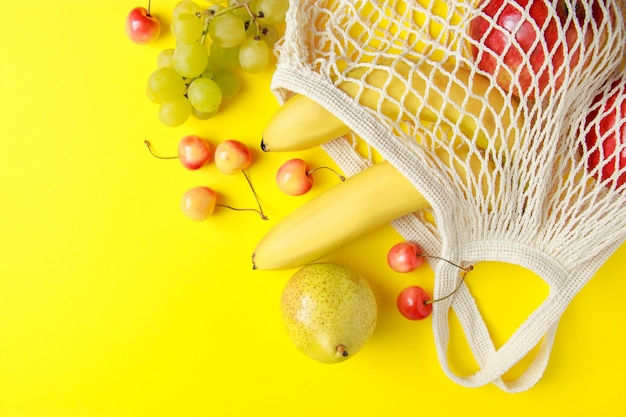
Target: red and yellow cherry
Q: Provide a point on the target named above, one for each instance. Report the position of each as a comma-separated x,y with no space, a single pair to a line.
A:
525,34
414,303
605,137
405,257
232,156
293,177
194,152
141,26
198,203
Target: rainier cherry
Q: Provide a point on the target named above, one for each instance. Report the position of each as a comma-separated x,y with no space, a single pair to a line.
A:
141,26
194,152
198,203
414,304
405,257
232,156
294,177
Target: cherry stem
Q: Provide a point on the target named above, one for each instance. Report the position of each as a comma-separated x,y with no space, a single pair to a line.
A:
243,209
341,177
149,146
148,11
260,211
464,273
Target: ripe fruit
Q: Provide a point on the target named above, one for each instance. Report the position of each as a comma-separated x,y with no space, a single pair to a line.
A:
198,203
526,40
294,177
329,311
405,257
232,156
605,136
194,152
414,304
141,26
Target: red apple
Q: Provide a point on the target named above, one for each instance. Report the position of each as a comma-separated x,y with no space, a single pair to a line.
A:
232,156
524,34
293,177
141,26
405,257
605,137
194,152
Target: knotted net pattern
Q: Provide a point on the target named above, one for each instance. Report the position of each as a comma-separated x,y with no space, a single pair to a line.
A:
499,153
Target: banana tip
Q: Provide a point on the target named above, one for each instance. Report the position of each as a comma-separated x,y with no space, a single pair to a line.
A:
263,146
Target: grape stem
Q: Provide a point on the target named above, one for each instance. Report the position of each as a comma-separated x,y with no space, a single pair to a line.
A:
237,4
149,146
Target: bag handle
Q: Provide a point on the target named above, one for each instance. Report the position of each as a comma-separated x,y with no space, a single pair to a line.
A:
539,329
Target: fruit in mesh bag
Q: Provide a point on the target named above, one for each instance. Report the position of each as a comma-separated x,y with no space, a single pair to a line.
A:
605,134
527,44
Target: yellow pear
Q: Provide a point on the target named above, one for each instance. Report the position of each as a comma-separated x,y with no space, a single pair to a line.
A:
329,311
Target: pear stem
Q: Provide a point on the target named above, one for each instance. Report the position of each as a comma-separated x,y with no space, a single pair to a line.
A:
341,349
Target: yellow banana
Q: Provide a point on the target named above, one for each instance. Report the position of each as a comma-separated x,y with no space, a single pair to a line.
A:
344,213
310,123
452,95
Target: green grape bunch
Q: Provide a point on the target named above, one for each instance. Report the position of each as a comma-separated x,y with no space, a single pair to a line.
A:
212,43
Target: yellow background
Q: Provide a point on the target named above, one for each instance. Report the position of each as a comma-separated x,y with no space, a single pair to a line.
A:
113,304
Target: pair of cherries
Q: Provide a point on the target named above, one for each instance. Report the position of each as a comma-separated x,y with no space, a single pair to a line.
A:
413,302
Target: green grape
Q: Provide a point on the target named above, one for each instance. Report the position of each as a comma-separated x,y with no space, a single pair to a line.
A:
227,30
254,55
200,115
190,59
226,58
273,11
186,6
228,82
164,59
187,28
165,83
270,35
204,95
174,111
151,96
208,73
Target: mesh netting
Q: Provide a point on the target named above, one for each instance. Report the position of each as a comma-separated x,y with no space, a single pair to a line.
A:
434,86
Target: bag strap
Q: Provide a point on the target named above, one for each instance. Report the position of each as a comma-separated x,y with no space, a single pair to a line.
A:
539,329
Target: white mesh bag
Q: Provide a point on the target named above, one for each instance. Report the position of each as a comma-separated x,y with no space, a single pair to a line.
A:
411,77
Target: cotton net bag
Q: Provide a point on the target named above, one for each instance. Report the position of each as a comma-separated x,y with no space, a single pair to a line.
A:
499,152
